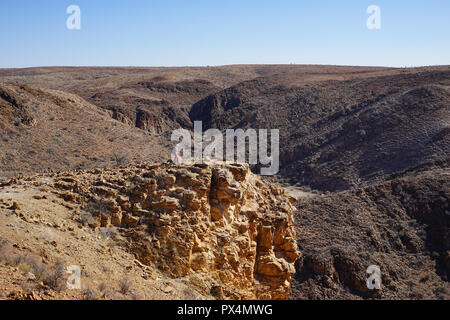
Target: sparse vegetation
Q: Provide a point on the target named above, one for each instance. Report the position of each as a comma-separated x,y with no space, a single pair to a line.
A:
369,146
55,277
135,296
32,268
89,294
125,285
402,217
102,287
120,159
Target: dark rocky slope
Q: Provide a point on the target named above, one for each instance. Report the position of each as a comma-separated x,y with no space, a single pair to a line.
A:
401,225
340,134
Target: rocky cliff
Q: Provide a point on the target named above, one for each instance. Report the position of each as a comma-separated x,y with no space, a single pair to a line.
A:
220,226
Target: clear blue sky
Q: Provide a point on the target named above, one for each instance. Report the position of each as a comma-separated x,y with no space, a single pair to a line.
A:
218,32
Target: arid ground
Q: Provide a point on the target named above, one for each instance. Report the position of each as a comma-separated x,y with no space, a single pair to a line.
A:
86,180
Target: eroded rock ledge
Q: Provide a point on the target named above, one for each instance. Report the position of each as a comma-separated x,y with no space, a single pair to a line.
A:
220,226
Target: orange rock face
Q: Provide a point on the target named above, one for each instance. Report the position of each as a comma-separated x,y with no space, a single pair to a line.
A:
220,227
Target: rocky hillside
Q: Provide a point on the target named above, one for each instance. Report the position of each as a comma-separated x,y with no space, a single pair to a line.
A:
365,152
401,225
43,131
340,126
340,134
158,100
218,229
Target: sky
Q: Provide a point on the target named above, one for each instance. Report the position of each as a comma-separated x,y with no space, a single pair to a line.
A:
221,32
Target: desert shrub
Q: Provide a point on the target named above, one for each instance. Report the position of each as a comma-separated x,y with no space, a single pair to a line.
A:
102,287
39,271
7,255
120,159
27,286
85,217
108,233
135,296
125,286
25,263
55,278
441,293
17,259
24,266
89,294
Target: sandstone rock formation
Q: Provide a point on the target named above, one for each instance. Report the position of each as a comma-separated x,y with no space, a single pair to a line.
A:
220,226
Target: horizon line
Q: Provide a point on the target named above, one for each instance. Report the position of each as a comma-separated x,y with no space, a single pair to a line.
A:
221,66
